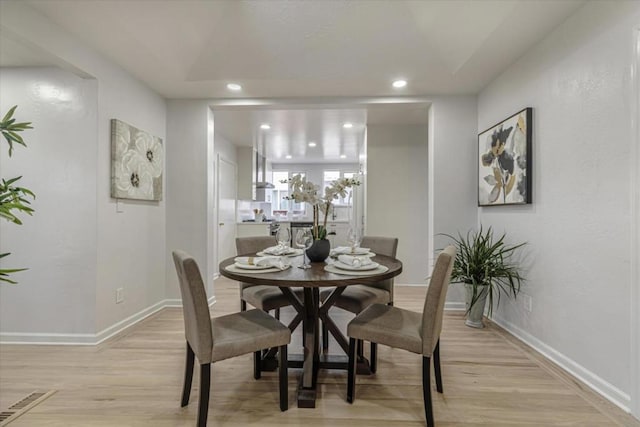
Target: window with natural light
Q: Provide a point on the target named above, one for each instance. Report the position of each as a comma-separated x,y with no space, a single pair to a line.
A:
332,175
281,190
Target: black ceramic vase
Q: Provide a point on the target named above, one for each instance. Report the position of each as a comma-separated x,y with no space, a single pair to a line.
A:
319,251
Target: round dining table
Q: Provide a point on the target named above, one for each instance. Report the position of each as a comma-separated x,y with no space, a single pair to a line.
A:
310,310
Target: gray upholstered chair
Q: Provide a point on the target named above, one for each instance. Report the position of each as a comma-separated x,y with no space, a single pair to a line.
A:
212,340
264,297
415,332
356,298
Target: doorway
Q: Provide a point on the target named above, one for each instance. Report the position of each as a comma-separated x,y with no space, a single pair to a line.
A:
226,213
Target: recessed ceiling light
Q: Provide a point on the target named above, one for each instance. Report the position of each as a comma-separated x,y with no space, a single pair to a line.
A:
399,83
265,126
347,125
343,156
312,144
288,156
234,86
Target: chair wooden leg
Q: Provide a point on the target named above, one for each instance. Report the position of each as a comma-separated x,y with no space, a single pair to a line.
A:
257,359
351,371
325,338
243,305
436,367
283,374
277,313
426,390
203,403
360,349
188,376
373,363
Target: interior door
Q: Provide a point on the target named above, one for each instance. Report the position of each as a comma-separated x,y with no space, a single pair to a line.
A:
227,187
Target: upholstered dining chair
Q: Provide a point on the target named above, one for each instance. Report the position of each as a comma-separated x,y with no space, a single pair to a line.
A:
415,332
264,297
214,339
356,298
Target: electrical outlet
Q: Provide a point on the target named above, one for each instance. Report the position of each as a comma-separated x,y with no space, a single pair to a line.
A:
119,295
528,302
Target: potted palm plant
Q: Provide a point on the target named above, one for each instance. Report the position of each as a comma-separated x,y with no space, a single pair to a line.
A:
486,266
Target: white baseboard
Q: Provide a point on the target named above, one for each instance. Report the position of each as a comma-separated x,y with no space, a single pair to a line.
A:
599,385
36,338
129,321
44,338
454,306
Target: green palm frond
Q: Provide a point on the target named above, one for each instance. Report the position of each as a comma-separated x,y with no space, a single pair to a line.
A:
9,129
5,272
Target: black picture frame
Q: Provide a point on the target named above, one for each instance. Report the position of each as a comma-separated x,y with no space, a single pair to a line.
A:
505,161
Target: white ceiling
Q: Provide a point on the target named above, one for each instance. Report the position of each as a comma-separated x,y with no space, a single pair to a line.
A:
293,129
304,50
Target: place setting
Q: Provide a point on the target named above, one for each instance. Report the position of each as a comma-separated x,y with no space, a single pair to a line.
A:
278,250
259,264
283,237
353,260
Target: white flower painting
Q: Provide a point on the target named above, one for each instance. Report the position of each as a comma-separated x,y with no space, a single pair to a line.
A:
137,162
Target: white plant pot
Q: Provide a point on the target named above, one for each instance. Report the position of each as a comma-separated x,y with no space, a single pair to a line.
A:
474,316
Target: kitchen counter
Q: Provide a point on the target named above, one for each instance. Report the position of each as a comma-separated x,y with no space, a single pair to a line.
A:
290,221
337,221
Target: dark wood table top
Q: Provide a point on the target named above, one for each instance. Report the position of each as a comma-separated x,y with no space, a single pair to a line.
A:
313,277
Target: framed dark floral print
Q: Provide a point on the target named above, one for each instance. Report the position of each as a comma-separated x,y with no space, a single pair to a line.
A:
504,161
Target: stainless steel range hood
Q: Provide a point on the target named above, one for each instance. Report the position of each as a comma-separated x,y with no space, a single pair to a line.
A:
261,173
261,183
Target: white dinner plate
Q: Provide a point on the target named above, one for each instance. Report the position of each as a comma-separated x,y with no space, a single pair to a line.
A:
252,267
294,252
343,266
331,268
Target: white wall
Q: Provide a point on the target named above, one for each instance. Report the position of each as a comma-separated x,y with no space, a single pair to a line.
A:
58,243
397,194
131,238
452,175
225,148
579,226
129,247
190,166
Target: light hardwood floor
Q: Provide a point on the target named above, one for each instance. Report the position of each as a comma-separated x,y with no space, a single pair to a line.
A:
134,379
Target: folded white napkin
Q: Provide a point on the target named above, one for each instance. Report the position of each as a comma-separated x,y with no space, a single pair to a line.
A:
349,250
271,261
278,250
354,261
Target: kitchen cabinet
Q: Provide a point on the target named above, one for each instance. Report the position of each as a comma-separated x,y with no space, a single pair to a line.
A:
253,229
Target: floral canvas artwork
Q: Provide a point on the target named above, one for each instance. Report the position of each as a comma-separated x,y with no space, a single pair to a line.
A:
504,161
137,160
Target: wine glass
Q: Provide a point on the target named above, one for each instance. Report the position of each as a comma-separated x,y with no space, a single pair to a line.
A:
283,236
304,240
353,238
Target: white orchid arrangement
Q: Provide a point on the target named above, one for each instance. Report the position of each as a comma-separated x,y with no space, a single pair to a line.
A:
308,192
